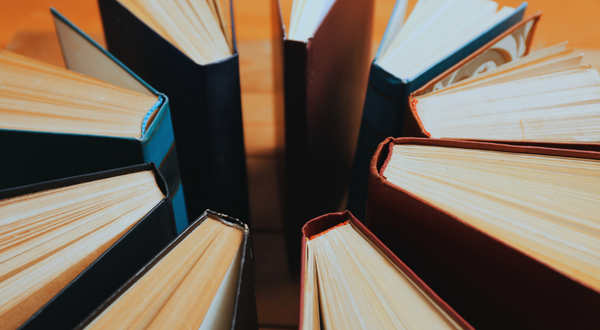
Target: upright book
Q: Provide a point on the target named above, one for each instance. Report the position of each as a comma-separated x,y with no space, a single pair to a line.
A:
188,51
350,280
99,115
507,235
68,244
325,58
436,36
202,280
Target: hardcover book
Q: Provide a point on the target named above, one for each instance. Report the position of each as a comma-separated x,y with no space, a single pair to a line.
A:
202,280
68,244
436,36
98,115
350,280
188,51
546,98
322,63
507,235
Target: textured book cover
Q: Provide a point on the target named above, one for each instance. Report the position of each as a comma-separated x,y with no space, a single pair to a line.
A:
205,107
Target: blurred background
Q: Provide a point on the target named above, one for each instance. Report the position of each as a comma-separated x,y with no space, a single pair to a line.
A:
26,27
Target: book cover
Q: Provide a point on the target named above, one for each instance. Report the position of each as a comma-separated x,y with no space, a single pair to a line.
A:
386,103
491,284
205,108
323,84
115,266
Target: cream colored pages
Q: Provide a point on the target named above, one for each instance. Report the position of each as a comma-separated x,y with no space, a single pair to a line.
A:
307,16
434,30
179,290
48,238
545,206
546,96
37,96
359,288
196,27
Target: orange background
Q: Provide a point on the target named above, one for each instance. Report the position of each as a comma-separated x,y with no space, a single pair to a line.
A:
575,21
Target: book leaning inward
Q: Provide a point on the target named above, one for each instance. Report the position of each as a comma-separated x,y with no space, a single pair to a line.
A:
187,50
321,65
66,245
438,35
95,116
202,280
350,280
508,235
547,97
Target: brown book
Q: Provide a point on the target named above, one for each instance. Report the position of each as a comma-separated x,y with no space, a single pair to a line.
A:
507,235
350,280
323,63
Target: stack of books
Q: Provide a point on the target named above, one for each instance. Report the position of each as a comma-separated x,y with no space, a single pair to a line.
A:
469,165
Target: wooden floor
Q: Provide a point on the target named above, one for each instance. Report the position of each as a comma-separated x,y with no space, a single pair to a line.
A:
26,27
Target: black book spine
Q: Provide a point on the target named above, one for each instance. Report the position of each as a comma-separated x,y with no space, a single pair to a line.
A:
205,108
296,147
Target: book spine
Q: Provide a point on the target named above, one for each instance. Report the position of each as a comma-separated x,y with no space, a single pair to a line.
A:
383,116
158,147
296,146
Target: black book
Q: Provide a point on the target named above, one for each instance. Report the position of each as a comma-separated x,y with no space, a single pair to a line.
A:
205,106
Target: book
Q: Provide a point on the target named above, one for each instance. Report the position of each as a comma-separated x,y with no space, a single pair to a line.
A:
436,36
97,116
545,98
68,244
507,235
350,280
325,59
201,280
163,42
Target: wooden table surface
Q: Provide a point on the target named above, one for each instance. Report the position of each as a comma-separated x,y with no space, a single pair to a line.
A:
26,27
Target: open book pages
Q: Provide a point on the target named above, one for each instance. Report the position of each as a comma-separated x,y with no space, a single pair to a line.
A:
307,15
433,31
47,238
350,284
199,28
37,96
193,286
546,96
544,206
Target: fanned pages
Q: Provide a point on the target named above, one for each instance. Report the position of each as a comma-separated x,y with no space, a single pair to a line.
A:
199,28
36,96
434,30
358,287
49,237
544,206
547,96
192,286
307,15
